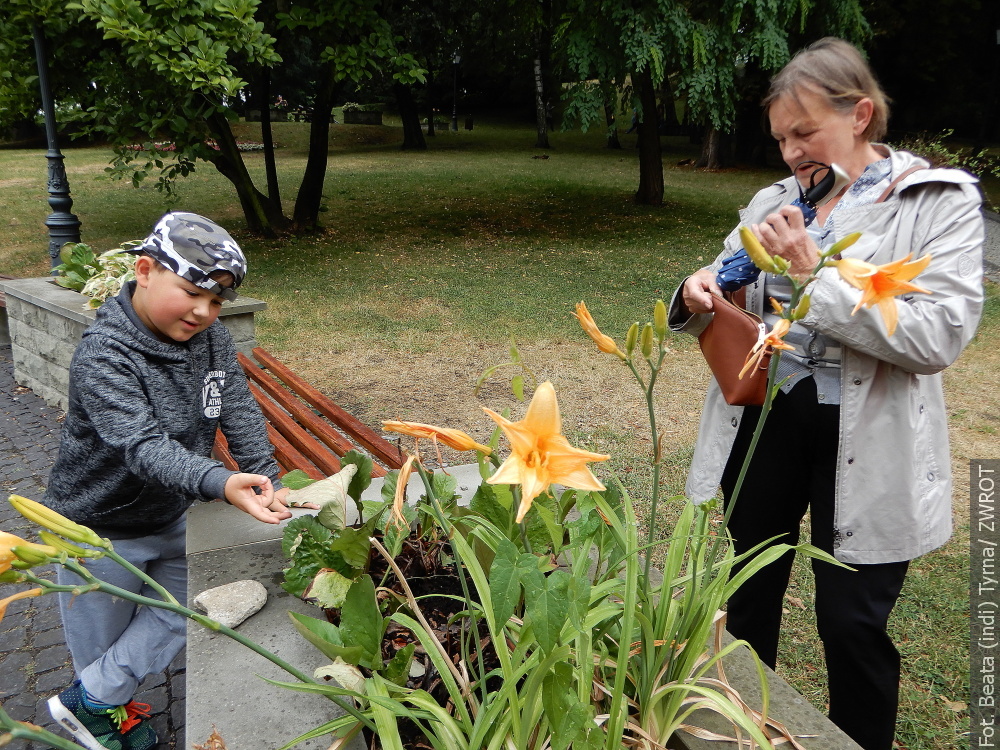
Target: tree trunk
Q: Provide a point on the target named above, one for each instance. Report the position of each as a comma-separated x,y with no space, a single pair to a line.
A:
270,169
543,105
541,108
650,192
430,102
261,214
310,197
609,118
413,136
714,150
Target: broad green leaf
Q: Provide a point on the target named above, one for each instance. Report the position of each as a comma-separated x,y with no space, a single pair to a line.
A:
568,717
361,622
297,479
397,671
328,589
363,478
487,503
444,486
505,582
326,637
354,545
547,607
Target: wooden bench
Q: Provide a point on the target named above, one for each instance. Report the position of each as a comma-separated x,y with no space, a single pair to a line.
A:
307,429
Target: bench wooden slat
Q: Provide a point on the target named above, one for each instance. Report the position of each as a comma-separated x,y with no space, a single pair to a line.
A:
337,442
221,451
288,457
293,433
381,448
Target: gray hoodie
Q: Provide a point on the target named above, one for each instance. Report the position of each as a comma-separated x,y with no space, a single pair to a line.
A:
141,424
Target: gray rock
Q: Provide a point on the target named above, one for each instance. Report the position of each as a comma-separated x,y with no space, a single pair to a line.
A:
232,603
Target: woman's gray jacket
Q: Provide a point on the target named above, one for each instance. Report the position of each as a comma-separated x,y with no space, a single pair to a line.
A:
893,494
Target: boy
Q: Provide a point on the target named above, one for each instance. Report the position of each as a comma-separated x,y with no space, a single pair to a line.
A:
150,382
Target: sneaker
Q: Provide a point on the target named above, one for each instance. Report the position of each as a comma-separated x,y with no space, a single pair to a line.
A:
115,728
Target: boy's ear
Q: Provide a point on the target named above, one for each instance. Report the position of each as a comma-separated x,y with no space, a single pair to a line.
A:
144,267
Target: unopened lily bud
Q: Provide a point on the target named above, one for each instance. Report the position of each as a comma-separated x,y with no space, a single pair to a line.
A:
630,338
660,319
801,309
756,251
646,341
842,244
56,522
34,554
71,549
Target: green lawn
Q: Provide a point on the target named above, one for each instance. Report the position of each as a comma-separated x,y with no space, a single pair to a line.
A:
430,261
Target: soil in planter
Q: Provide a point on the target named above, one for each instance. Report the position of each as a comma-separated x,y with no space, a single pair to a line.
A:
435,585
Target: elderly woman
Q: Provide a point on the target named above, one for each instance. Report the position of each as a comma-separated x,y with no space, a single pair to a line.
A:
858,433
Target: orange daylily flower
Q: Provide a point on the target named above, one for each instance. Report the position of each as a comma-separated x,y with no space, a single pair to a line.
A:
396,516
540,455
881,284
20,595
773,340
456,439
604,342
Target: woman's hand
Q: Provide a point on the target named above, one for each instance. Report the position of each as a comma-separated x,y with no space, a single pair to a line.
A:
698,290
784,233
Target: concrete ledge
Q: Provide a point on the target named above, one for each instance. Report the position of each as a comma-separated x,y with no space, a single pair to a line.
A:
44,323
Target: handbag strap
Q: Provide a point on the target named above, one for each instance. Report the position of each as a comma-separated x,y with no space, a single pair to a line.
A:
892,185
889,190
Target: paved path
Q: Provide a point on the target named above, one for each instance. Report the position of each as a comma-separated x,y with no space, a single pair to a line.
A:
34,662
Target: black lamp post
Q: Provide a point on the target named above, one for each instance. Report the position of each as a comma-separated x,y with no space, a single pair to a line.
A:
63,226
456,59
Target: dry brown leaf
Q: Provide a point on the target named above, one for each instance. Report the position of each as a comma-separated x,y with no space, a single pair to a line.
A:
795,601
214,742
956,706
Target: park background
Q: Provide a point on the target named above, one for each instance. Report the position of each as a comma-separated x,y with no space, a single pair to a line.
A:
416,267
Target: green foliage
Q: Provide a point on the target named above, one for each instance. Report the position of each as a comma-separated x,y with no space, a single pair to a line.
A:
97,277
937,149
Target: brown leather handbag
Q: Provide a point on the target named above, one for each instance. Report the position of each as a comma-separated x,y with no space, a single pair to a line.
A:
726,342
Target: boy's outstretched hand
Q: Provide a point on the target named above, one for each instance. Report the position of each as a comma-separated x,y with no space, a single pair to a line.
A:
268,506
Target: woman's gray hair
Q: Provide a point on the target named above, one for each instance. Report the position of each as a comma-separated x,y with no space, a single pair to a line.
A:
836,70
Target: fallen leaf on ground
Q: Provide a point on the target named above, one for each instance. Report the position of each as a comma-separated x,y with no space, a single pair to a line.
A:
214,742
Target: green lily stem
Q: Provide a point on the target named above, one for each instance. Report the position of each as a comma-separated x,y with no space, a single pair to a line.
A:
647,389
96,584
166,595
21,730
439,512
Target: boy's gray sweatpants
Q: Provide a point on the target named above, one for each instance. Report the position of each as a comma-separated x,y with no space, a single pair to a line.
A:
114,643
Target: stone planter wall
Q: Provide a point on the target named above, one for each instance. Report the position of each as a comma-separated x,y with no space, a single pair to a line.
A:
356,117
46,322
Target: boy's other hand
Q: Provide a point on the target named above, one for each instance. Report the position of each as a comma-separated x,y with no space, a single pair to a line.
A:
281,501
240,491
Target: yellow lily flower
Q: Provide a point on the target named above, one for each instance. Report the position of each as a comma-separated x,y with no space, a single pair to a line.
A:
540,455
7,544
881,284
456,439
773,340
604,342
30,593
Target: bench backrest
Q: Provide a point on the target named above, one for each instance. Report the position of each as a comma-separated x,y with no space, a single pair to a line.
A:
307,429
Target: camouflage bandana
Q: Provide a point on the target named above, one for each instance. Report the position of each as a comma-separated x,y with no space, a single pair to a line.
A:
194,247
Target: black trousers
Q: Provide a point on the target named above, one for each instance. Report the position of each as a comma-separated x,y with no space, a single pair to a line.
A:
794,469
